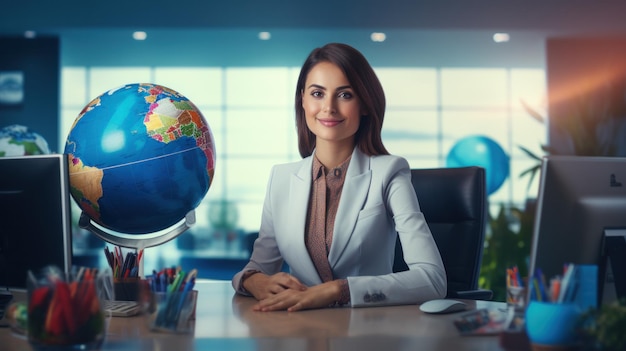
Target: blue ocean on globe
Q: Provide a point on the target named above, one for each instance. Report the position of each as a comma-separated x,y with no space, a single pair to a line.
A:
141,157
479,150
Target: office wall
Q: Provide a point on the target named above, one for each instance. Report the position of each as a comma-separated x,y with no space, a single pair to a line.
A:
586,81
38,60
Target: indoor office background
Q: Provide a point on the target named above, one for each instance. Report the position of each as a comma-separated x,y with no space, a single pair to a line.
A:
249,106
444,74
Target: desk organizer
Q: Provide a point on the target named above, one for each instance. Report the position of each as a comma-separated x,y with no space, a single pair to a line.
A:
171,311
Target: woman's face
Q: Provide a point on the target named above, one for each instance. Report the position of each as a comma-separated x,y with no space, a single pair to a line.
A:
331,108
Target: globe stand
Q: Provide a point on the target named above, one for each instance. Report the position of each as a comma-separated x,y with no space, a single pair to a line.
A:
138,241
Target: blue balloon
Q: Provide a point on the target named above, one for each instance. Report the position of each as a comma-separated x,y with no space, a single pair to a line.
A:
478,150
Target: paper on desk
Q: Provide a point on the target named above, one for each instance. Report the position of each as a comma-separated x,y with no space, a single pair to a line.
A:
481,322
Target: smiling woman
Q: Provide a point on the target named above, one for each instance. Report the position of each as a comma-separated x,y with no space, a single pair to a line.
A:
335,250
332,109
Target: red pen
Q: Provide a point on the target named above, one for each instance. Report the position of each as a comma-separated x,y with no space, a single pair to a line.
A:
139,257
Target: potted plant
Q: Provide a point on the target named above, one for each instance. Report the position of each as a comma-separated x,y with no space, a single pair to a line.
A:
603,329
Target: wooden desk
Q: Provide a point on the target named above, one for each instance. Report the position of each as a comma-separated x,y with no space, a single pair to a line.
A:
225,321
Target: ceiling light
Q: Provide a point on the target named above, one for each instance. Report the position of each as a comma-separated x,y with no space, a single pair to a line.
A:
265,35
378,37
501,37
140,35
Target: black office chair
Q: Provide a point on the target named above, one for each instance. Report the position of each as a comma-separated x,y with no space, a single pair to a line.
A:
454,203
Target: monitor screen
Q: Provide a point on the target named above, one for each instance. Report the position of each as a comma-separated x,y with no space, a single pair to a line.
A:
35,217
579,198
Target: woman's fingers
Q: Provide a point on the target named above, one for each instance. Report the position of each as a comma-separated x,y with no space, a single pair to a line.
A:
288,281
295,300
276,289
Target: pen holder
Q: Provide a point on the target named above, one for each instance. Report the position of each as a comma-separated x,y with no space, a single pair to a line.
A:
65,310
172,312
126,289
552,326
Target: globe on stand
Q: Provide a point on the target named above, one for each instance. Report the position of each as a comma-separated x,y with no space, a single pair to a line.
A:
141,159
18,140
478,150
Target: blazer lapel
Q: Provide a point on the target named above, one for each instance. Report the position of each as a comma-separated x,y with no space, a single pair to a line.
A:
299,192
353,196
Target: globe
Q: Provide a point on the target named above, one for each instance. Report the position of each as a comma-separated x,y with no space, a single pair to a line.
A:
141,158
19,140
479,150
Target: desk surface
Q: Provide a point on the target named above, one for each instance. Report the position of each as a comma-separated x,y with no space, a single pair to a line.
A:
225,321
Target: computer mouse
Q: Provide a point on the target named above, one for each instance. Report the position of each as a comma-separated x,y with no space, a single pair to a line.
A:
443,306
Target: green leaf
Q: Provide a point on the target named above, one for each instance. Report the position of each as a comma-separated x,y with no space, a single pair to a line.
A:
534,114
529,153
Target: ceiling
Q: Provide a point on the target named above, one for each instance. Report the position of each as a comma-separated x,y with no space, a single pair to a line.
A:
549,16
224,33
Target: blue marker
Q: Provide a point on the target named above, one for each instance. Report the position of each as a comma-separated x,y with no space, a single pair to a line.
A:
162,283
183,295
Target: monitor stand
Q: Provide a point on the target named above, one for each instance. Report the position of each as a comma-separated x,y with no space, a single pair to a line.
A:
613,270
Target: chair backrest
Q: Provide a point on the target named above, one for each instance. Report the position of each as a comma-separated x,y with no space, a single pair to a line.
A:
454,203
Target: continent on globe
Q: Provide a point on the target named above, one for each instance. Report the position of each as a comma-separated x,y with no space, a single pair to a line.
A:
169,120
86,186
142,157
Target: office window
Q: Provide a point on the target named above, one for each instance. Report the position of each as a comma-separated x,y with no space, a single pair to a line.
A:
409,87
103,79
201,85
458,124
411,128
264,87
414,135
474,87
528,86
73,98
259,132
73,88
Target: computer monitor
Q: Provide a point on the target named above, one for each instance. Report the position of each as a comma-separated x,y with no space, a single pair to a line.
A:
35,217
581,199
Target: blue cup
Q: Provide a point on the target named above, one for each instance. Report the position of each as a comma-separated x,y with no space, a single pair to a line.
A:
552,324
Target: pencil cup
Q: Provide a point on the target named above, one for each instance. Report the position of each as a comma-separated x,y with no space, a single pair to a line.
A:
515,297
65,310
172,312
552,326
126,289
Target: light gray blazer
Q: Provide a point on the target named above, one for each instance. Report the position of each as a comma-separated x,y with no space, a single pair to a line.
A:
377,204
